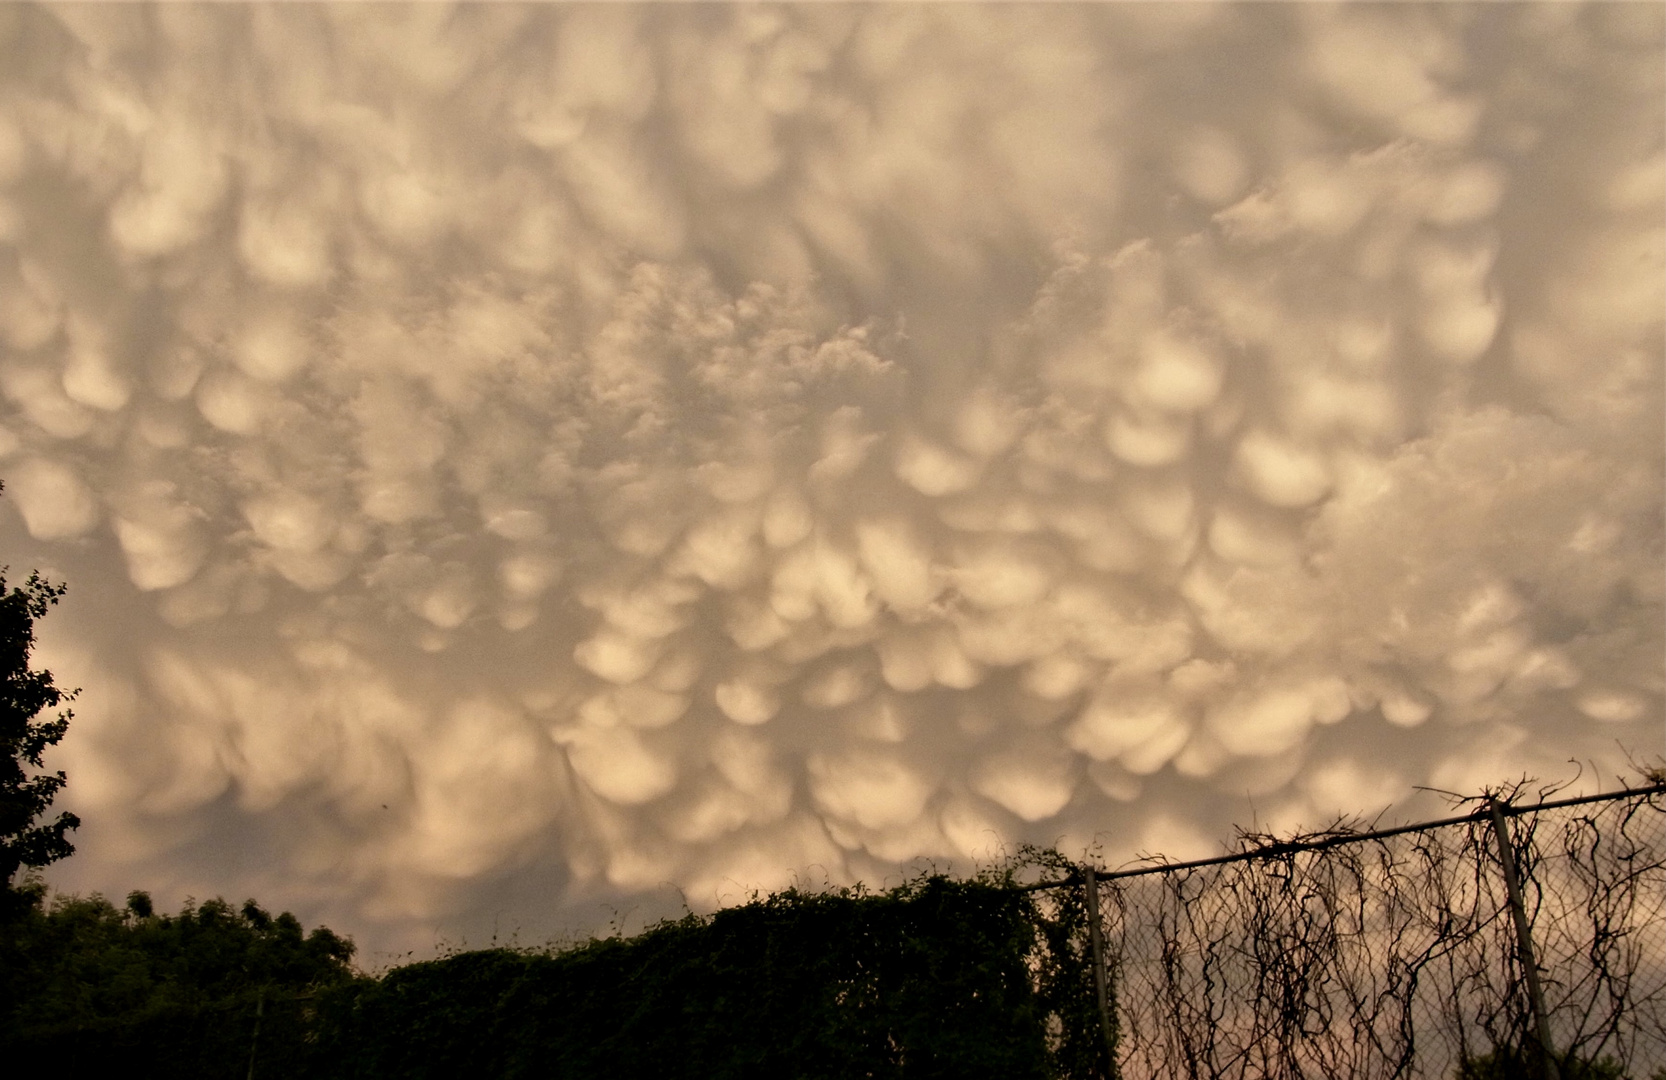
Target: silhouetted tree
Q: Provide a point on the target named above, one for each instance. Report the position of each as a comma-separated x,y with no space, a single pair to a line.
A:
25,791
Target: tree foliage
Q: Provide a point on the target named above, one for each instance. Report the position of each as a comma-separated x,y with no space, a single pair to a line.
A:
26,792
126,990
935,978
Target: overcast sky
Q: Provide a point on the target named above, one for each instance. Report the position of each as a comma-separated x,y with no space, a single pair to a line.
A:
520,467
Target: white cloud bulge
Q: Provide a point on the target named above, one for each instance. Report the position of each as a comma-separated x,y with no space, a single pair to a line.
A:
583,453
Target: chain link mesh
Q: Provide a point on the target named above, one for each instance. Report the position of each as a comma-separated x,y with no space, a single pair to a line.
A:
1398,955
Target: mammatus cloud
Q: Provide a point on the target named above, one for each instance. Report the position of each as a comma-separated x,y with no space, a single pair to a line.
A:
625,448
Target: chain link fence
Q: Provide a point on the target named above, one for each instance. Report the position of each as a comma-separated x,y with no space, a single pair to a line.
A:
1430,950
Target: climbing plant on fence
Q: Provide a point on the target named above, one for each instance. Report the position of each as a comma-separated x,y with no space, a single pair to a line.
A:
1516,941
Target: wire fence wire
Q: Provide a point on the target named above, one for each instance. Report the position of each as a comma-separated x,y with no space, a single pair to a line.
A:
1399,953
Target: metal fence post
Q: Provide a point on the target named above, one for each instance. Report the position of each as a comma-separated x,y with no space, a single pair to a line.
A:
1096,945
1524,938
254,1042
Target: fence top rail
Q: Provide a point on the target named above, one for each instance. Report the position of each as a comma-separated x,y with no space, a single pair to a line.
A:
1290,847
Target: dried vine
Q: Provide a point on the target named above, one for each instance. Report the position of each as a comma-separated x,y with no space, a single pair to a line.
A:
1393,954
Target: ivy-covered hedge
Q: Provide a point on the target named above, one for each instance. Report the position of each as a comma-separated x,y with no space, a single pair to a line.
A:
928,981
937,978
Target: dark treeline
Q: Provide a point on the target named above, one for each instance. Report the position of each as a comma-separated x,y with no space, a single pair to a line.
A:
99,990
936,978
